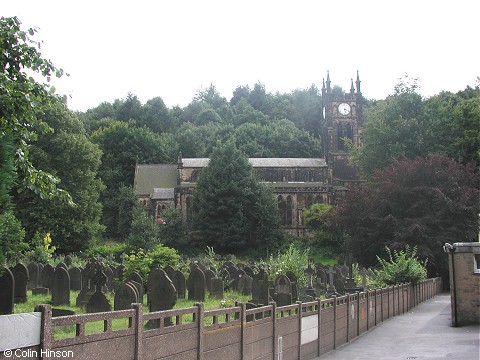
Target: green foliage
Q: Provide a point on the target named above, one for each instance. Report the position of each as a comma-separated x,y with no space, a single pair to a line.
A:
12,234
143,262
172,232
233,211
402,266
20,98
42,249
294,259
321,219
105,249
144,230
68,153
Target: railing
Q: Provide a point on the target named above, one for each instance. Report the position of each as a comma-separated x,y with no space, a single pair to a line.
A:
297,331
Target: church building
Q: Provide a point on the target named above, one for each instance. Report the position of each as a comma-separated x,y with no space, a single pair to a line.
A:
297,182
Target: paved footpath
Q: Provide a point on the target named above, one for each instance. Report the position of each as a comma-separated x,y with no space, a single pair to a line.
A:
422,333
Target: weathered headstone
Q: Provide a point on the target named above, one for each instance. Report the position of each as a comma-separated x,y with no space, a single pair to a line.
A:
7,289
293,281
47,275
363,274
260,293
208,275
249,271
125,296
109,274
161,294
339,285
180,284
283,291
98,302
244,283
68,260
169,270
20,273
33,273
137,280
118,274
216,288
75,278
196,285
61,287
61,264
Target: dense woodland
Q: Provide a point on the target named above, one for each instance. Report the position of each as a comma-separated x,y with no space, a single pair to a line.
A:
70,174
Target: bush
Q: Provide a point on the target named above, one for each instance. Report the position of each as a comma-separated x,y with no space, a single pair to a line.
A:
11,235
143,262
403,267
107,249
294,259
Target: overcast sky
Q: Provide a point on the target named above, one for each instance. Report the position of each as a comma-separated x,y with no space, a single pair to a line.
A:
172,49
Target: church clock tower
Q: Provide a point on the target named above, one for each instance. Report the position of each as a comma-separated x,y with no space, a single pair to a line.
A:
342,122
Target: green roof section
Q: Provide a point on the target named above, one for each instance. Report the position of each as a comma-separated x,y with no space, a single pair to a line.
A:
149,177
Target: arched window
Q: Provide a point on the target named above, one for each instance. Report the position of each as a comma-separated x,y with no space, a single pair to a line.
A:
319,199
282,209
309,201
344,131
288,211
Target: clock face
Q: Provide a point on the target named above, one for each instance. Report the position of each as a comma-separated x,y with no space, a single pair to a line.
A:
344,109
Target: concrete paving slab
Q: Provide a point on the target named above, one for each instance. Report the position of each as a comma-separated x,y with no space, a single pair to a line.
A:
425,332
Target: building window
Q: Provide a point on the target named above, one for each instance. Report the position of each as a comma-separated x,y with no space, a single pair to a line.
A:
282,205
188,203
476,263
288,211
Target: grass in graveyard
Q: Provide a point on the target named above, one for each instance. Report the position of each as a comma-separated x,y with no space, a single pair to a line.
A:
123,323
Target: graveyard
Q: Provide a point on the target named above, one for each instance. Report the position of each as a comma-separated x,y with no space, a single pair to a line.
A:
81,307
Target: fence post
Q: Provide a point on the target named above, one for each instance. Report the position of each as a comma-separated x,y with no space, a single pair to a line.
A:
243,323
375,307
358,313
200,316
46,329
319,342
299,313
334,322
348,317
138,331
381,303
274,325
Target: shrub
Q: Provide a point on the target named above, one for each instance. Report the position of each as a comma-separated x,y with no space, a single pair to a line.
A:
294,259
403,267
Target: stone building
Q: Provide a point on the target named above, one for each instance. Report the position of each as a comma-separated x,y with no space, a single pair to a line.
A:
297,182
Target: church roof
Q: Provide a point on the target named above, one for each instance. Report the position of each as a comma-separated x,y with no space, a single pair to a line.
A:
154,176
264,162
163,193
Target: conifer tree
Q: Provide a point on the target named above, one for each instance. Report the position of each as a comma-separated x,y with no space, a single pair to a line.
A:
233,210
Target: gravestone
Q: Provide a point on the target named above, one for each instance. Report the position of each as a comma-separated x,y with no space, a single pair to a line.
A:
61,287
244,283
216,288
61,264
339,285
33,273
75,278
109,274
309,271
196,285
249,271
7,290
119,272
208,275
20,273
47,275
260,286
125,296
331,291
98,302
363,274
293,281
178,280
68,260
169,270
161,295
137,280
283,291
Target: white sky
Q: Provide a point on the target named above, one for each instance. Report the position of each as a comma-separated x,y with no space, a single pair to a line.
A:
172,49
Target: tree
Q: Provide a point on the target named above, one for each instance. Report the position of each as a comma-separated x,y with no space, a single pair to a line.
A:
144,230
321,219
20,97
233,211
424,202
68,153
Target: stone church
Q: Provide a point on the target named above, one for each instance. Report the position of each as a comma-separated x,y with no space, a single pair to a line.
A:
297,182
